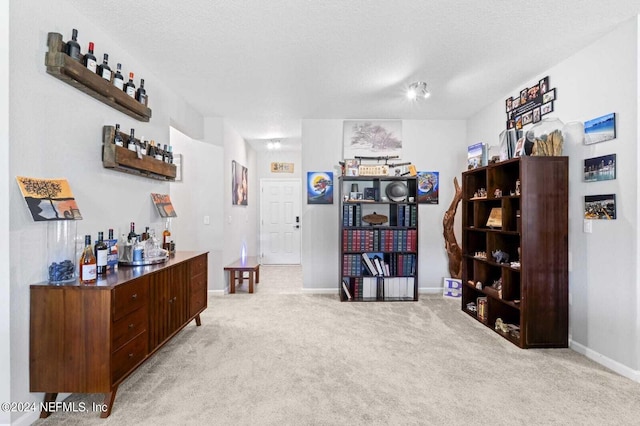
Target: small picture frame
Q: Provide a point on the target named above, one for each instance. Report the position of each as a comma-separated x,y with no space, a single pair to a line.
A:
509,104
544,85
371,194
600,168
356,196
549,96
601,207
546,108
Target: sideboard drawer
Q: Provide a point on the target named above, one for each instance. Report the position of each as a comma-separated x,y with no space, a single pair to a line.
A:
199,265
128,327
129,297
128,356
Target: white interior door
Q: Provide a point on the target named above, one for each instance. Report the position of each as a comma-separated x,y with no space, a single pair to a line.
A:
280,221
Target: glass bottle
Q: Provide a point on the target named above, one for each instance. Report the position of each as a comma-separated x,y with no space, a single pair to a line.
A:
103,70
118,80
88,272
117,139
129,87
141,93
72,47
166,236
101,251
131,145
89,59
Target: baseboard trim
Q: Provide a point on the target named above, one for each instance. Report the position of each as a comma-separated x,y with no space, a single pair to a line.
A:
31,417
217,292
607,362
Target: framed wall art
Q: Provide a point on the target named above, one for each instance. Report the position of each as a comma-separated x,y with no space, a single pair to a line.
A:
600,168
600,206
372,138
600,129
428,187
320,188
239,184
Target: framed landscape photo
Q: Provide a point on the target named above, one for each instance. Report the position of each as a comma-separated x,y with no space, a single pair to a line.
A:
600,129
600,206
372,138
600,168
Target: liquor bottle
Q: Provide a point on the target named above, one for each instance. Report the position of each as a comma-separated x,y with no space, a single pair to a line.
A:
132,232
170,154
158,155
118,80
73,48
117,139
101,251
87,263
166,237
131,145
129,87
145,234
89,59
112,257
165,154
103,69
141,94
151,152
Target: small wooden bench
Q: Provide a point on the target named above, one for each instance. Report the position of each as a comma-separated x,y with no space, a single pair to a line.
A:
251,265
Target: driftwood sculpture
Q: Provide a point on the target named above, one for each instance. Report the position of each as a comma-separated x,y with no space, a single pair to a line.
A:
453,249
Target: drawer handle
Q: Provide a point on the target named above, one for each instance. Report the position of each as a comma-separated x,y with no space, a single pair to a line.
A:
134,296
170,300
131,355
175,298
131,325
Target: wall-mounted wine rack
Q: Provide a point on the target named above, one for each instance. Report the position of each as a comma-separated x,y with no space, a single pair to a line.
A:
65,68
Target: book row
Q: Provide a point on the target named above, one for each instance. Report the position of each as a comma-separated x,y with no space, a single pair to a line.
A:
379,239
399,215
379,288
379,264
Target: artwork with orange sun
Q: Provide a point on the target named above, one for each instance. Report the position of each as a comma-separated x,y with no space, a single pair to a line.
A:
49,199
163,204
319,187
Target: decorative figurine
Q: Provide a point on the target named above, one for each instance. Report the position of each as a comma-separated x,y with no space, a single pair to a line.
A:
500,256
518,187
497,193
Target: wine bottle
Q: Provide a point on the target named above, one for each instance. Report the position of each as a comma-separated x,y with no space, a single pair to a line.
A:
141,93
118,80
132,232
165,154
101,251
89,59
129,87
131,145
103,69
73,48
88,273
166,237
158,155
117,139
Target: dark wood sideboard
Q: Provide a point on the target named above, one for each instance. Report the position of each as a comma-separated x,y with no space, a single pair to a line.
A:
88,338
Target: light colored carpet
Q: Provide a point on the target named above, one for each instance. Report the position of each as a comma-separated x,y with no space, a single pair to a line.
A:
298,359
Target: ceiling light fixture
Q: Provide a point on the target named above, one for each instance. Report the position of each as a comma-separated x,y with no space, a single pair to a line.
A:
418,90
274,144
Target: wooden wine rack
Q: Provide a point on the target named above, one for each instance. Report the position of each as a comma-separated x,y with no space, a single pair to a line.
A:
72,72
121,159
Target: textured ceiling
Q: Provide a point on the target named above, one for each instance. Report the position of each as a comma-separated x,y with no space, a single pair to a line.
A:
266,64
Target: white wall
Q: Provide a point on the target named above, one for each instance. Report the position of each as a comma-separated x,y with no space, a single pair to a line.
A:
196,196
240,222
603,277
5,259
432,145
56,133
265,158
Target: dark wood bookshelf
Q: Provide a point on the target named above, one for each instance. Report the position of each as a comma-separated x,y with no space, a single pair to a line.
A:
534,295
